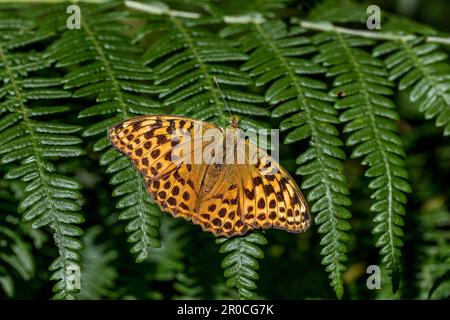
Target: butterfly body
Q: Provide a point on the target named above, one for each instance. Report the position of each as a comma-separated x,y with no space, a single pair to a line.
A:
197,171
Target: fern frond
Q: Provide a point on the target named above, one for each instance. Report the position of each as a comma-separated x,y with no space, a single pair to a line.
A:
17,29
275,61
98,274
360,83
188,59
113,74
222,292
347,11
423,68
168,259
16,259
51,199
435,264
187,287
240,264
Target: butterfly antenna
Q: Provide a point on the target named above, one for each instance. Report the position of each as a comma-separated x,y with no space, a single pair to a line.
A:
222,96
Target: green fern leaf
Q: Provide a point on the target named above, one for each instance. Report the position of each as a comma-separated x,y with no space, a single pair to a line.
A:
360,82
342,11
168,259
114,74
51,199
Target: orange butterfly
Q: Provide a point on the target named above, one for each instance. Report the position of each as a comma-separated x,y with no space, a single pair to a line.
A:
227,199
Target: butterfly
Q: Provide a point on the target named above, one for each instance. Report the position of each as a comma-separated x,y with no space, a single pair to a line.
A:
226,199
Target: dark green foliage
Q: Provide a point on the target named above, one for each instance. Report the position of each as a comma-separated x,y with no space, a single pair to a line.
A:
338,11
238,8
434,278
320,86
169,257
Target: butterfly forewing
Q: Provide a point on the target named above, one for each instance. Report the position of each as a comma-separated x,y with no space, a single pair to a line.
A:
226,199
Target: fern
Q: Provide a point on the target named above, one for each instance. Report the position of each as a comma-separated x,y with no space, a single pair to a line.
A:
222,292
98,274
168,259
240,264
342,11
420,66
113,73
51,199
369,117
187,287
275,63
435,264
240,8
15,255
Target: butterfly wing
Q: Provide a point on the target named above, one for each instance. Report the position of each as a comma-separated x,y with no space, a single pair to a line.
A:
149,142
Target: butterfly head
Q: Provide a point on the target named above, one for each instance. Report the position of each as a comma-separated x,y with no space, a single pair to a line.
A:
234,122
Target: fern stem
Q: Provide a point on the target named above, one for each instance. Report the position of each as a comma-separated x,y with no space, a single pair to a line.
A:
252,18
329,27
